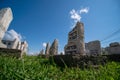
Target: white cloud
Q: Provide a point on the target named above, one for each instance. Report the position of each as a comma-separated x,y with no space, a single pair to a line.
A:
76,14
84,10
11,35
44,44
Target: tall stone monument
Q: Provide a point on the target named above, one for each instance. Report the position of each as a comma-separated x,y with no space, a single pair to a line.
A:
6,17
54,48
47,49
76,43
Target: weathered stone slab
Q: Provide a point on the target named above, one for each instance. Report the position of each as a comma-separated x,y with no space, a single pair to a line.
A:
5,20
11,52
54,48
47,49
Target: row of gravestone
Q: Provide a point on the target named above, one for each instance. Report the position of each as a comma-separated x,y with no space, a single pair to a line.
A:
50,50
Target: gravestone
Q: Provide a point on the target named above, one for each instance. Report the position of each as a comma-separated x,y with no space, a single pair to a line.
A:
47,49
5,20
54,48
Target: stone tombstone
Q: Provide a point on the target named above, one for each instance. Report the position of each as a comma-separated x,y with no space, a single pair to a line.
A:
54,48
5,20
47,49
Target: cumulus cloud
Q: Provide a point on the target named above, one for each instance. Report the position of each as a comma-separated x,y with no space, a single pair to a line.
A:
44,44
76,14
84,10
12,35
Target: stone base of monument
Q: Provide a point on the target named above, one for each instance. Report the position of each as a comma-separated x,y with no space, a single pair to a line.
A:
79,61
10,52
113,57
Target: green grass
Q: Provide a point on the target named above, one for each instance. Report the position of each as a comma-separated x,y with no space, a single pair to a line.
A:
36,68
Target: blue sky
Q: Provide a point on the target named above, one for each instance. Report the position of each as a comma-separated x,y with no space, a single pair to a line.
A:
42,21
